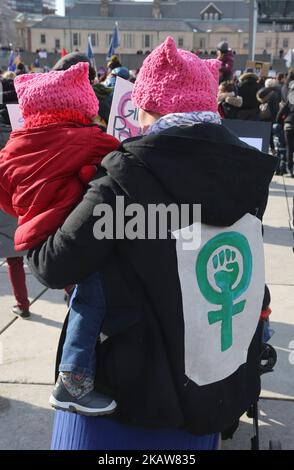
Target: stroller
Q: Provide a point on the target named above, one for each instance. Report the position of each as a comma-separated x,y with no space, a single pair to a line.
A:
280,148
268,359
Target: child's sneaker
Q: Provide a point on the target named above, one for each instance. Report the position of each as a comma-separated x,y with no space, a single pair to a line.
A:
90,404
23,313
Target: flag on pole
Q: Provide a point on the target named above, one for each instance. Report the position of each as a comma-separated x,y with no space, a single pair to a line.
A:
114,43
11,63
90,53
63,52
288,58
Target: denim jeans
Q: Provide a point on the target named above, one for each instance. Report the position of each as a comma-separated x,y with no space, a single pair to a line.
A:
87,311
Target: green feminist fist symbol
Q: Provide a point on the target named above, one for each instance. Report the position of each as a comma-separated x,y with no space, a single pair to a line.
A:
227,269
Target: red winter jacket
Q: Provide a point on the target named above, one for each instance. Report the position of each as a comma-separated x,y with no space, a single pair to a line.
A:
41,178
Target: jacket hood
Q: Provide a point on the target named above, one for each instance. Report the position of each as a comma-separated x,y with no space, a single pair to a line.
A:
204,164
248,76
265,94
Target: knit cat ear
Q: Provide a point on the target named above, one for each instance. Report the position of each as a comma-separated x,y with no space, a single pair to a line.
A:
213,65
79,70
171,52
26,77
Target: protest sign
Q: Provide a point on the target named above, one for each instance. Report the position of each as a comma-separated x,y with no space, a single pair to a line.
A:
260,68
254,133
43,55
123,119
15,116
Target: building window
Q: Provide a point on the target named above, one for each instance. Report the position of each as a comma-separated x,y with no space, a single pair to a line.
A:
108,39
286,43
57,44
129,42
211,12
93,39
147,41
181,41
43,38
268,43
76,39
202,43
245,43
287,27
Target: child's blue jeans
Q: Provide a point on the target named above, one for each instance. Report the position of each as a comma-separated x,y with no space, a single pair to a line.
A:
87,311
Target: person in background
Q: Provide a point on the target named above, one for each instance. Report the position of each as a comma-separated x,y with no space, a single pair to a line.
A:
247,88
226,56
285,86
101,74
122,72
228,102
20,69
280,79
8,224
269,98
113,63
285,117
16,272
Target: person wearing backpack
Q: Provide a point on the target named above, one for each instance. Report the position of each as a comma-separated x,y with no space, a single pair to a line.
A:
285,116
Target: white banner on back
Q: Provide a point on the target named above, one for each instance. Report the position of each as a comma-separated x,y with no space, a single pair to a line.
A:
222,285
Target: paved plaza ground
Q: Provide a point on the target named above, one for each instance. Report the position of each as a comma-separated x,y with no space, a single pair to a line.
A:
27,348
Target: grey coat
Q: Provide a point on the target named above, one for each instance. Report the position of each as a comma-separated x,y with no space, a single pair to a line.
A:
8,226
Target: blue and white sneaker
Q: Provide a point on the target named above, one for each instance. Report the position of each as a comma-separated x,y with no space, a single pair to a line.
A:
91,404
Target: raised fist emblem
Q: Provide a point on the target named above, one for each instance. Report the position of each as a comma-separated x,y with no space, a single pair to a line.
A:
227,269
231,260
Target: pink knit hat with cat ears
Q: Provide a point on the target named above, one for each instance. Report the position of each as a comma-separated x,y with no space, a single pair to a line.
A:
175,81
66,95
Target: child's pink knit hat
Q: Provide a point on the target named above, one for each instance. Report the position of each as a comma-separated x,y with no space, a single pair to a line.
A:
45,98
173,81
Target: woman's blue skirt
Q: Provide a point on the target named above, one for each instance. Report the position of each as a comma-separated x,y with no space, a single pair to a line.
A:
75,432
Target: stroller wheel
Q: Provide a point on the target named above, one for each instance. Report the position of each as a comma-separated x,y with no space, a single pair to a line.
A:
268,358
275,445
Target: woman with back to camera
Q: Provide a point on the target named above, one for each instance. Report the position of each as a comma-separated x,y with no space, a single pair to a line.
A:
179,373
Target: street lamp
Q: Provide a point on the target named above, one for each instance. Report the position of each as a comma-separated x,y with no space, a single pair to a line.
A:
252,28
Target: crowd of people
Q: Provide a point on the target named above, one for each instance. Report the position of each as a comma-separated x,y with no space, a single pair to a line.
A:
136,343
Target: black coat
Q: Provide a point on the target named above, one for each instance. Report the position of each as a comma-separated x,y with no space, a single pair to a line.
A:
272,97
248,89
141,363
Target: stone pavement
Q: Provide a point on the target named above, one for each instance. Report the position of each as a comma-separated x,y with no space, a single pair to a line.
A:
27,348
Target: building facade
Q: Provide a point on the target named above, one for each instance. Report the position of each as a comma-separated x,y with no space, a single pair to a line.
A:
33,6
197,25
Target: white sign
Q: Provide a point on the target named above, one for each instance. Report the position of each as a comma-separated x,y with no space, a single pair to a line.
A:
253,141
43,55
123,119
15,116
222,285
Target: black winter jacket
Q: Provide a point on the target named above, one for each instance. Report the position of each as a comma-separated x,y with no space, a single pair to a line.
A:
141,363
